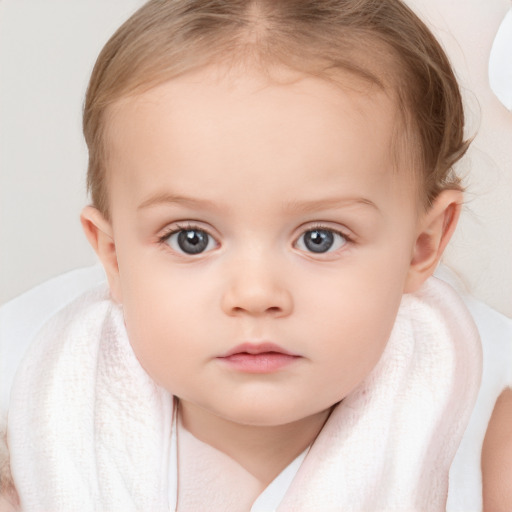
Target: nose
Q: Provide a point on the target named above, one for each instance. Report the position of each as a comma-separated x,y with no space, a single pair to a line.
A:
253,288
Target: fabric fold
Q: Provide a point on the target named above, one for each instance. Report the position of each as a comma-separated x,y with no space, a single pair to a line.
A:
389,445
89,430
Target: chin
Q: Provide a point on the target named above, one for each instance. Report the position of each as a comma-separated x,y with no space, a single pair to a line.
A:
268,414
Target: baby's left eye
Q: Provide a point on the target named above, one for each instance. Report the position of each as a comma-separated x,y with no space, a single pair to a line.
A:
321,240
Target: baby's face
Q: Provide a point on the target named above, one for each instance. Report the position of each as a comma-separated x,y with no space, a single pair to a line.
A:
263,239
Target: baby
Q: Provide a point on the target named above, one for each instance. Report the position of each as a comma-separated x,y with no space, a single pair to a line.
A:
272,189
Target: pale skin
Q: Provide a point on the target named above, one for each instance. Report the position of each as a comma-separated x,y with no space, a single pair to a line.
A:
255,167
497,457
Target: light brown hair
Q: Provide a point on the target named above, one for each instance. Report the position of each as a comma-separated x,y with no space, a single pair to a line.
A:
382,41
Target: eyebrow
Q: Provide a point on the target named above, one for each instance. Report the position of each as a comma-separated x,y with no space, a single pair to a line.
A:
165,198
329,203
290,206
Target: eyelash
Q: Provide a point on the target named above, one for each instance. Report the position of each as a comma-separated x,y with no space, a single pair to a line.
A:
322,227
163,239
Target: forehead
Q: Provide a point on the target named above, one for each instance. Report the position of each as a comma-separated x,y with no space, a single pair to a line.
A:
246,124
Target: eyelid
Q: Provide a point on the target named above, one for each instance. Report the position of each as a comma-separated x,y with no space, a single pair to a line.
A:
327,226
185,225
324,226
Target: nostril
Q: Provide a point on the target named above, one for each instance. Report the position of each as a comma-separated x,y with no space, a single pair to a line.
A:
256,300
272,309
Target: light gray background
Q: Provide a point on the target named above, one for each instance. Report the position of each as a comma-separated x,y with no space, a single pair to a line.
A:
47,50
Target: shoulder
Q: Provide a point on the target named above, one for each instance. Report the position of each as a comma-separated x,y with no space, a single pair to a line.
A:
497,457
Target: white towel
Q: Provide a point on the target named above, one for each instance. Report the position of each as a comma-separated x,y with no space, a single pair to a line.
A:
390,444
89,430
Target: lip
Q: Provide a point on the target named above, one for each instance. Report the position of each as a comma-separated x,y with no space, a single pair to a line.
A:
263,357
257,348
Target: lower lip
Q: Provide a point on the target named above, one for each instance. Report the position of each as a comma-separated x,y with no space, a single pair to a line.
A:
266,362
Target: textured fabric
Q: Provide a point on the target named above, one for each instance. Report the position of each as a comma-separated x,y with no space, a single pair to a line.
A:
465,491
390,445
89,430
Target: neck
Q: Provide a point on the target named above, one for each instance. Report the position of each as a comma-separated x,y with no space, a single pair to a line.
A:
263,451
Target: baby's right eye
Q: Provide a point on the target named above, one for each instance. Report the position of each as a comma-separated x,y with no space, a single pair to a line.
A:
189,241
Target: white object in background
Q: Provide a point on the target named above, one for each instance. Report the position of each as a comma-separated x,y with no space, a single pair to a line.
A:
500,62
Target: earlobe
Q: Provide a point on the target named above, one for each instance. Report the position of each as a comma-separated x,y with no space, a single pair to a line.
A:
435,230
99,233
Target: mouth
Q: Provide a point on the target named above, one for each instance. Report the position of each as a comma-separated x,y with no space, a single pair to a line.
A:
258,358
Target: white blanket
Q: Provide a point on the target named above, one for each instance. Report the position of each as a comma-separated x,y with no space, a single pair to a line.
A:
90,431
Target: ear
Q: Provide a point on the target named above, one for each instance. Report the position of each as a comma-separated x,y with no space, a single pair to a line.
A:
99,232
435,230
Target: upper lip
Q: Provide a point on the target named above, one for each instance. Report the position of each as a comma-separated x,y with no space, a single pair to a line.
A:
257,348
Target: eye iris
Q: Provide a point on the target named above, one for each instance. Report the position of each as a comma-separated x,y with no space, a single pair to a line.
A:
318,240
192,241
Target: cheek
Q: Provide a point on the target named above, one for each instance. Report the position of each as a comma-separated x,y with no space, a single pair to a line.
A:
161,314
164,341
357,330
352,347
354,312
